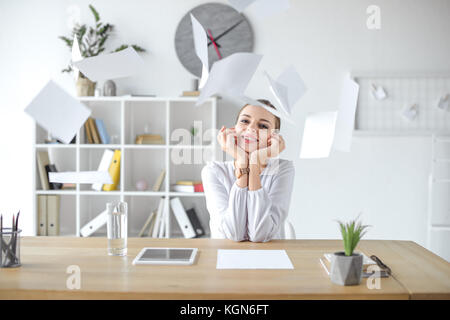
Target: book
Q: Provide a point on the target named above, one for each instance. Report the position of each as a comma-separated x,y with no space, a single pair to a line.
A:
53,206
188,182
88,132
193,218
42,161
94,132
104,137
53,185
146,224
95,224
182,218
114,172
159,212
159,181
42,215
162,225
191,93
104,165
184,188
149,139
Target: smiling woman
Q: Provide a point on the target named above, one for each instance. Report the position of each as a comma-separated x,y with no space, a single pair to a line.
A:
248,198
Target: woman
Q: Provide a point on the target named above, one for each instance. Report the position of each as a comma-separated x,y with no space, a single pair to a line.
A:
248,197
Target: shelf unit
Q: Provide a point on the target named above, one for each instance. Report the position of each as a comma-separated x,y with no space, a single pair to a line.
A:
124,118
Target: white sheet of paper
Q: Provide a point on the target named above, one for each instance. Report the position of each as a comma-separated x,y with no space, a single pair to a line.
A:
230,76
201,49
102,177
253,259
345,122
114,65
58,112
318,135
76,56
287,89
260,8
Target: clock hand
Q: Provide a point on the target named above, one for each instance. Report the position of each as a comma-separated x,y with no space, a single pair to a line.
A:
218,45
215,45
228,30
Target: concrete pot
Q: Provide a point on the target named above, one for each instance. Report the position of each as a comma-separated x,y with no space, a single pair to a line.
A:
346,270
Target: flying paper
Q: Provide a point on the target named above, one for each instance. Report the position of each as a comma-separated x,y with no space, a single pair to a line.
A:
318,135
253,102
58,112
260,8
326,130
102,177
201,49
345,122
287,89
114,65
76,56
230,76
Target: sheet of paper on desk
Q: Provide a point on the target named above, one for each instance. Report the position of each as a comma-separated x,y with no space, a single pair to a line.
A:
318,135
114,65
58,112
201,49
253,259
102,177
230,76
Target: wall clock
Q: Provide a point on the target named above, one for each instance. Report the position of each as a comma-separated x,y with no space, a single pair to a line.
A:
229,29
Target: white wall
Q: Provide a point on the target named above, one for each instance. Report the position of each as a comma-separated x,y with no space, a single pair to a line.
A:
384,177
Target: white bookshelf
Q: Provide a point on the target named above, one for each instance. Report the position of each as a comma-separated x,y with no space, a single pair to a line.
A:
125,117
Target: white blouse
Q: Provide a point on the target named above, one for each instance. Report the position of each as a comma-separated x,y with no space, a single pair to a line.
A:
240,214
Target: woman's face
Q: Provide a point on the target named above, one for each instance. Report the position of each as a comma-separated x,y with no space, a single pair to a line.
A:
253,128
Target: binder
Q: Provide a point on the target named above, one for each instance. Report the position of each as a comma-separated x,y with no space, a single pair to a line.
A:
94,132
42,216
155,232
192,215
182,218
95,224
53,205
104,165
114,172
43,160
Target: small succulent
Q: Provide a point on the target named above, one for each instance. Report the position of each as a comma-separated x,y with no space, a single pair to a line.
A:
352,232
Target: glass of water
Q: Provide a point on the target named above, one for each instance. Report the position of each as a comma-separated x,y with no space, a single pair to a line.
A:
117,228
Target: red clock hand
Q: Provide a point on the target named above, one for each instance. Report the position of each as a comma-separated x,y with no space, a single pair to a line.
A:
214,43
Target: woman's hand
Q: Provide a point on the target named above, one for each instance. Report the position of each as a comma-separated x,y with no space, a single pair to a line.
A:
227,139
275,146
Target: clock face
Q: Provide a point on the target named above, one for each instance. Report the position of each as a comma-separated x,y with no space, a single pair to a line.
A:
230,30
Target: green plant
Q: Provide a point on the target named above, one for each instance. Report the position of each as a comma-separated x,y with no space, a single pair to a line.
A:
92,40
352,232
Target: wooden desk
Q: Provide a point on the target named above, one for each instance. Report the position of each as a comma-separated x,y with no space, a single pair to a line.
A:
417,272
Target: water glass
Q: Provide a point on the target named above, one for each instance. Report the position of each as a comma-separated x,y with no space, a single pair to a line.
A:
117,228
10,248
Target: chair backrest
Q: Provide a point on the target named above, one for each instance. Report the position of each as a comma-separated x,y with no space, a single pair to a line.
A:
289,231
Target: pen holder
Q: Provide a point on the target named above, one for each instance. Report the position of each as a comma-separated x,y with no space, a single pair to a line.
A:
9,248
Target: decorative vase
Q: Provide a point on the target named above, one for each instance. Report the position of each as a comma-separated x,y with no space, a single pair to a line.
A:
346,270
85,87
109,88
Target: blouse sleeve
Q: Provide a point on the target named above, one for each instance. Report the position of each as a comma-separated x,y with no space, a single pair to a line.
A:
227,211
268,210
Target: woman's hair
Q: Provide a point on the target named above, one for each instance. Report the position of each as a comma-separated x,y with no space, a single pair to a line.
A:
267,103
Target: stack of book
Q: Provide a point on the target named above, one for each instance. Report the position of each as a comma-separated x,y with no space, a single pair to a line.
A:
44,167
149,139
188,186
325,261
96,131
191,93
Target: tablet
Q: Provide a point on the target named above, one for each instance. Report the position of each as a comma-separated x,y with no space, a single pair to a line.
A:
184,256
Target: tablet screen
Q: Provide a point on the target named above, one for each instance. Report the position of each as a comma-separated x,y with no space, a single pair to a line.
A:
166,255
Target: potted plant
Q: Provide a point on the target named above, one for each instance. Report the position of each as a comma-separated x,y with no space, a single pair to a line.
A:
346,266
91,41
